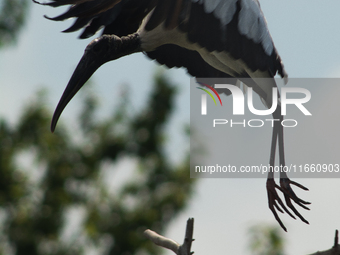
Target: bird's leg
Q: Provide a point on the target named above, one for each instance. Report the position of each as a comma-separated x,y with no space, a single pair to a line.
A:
285,182
271,185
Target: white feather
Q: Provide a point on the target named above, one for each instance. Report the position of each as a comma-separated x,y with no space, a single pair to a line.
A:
225,11
252,24
210,6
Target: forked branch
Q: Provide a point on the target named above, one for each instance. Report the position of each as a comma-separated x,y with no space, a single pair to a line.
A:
185,248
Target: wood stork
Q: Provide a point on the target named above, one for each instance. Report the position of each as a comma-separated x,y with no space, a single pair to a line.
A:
210,38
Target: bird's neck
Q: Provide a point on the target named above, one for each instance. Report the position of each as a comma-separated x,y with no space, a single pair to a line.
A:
130,44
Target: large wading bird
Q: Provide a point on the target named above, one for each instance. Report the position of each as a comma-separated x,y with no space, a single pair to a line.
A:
210,38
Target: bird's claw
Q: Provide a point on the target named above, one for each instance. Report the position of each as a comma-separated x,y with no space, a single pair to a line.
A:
274,199
290,195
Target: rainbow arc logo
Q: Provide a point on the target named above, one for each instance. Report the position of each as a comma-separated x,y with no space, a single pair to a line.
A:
209,93
204,97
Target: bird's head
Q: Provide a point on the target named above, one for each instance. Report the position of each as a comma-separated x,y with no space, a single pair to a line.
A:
97,53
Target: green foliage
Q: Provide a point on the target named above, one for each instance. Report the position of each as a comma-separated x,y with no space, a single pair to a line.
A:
12,17
47,177
266,240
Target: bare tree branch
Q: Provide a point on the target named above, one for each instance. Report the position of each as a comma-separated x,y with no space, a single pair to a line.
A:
185,248
335,250
336,239
164,242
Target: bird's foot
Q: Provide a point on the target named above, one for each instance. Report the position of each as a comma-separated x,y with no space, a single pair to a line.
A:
274,199
290,195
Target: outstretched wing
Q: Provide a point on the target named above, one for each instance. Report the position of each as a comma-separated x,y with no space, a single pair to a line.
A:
119,17
123,18
236,27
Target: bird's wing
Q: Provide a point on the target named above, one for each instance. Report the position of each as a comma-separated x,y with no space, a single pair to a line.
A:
237,27
172,55
119,17
123,18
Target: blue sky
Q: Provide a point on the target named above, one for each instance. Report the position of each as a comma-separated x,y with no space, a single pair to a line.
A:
305,33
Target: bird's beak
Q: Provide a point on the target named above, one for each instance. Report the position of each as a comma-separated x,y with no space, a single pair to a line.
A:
85,68
97,53
89,63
